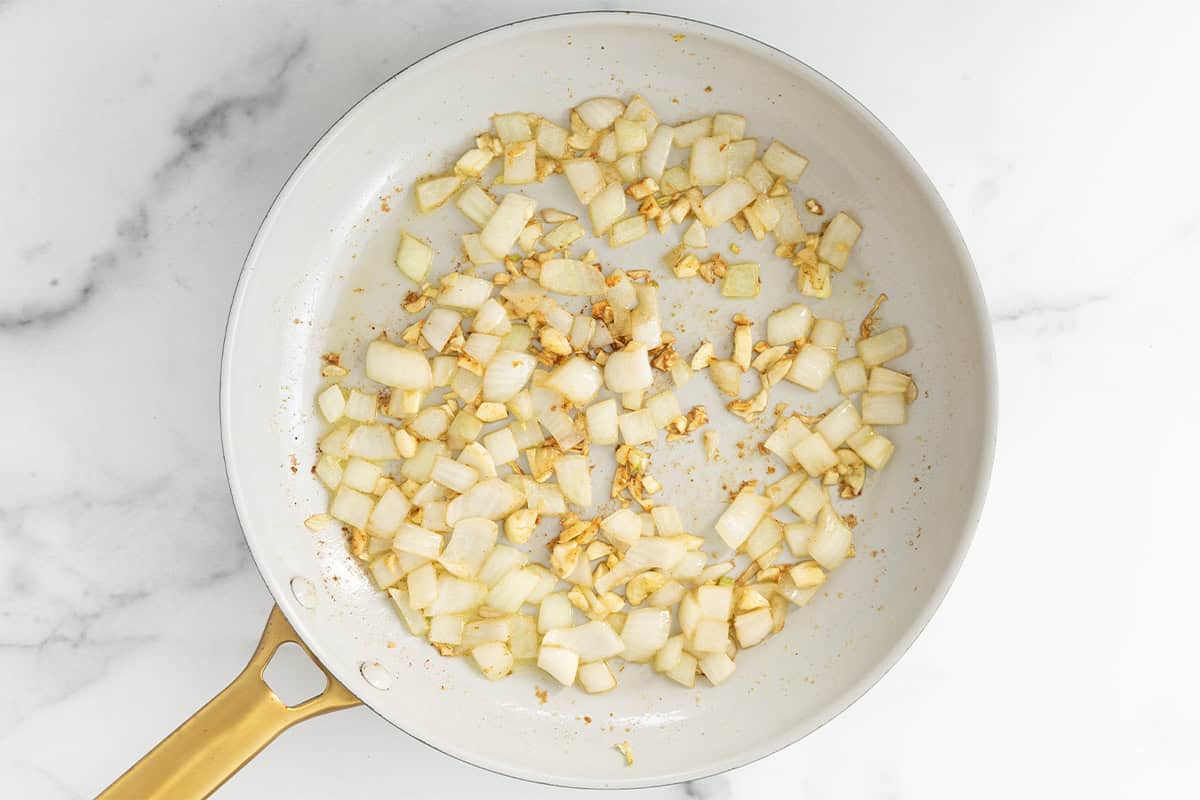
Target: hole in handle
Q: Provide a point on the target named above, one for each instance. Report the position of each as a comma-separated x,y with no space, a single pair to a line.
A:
292,675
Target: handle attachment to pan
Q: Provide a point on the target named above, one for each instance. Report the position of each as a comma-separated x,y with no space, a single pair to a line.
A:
218,740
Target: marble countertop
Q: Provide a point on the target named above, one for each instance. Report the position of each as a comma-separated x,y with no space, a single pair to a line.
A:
142,143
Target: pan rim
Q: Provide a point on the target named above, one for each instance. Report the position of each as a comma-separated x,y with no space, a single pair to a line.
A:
988,372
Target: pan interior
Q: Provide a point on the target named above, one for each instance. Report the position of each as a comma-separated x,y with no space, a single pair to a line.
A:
319,278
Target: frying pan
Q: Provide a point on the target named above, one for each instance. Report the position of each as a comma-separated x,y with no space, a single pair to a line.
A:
319,278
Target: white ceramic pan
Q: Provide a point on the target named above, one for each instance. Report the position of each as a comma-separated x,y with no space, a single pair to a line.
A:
333,230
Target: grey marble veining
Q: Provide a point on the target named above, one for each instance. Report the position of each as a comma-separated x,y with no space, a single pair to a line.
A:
146,141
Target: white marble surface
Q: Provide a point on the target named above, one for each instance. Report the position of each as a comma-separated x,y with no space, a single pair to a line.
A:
143,141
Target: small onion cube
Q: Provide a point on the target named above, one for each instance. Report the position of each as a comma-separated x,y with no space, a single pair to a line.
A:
710,636
631,137
520,163
332,403
882,381
873,448
351,507
491,499
883,347
784,439
688,133
502,446
512,127
830,542
709,163
511,591
628,369
606,208
501,561
654,157
420,466
476,204
592,641
329,469
398,367
752,627
838,239
433,192
560,663
646,631
851,375
574,479
815,455
807,501
766,535
741,280
456,596
627,230
783,161
551,139
414,539
563,235
637,427
599,113
839,424
797,535
439,326
413,618
715,602
815,281
782,490
584,177
446,629
570,277
739,156
453,475
738,520
523,641
883,409
506,374
596,677
726,201
732,125
623,525
422,586
361,475
811,367
413,257
684,671
372,442
554,612
473,162
481,346
602,422
664,408
717,667
463,291
789,229
506,224
388,513
495,660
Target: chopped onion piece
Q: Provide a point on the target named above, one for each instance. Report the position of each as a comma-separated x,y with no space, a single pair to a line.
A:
419,541
506,374
883,347
413,618
512,127
882,381
766,535
577,379
473,162
477,254
815,455
789,229
554,612
511,591
627,230
570,277
664,408
741,280
563,235
495,660
491,499
873,448
851,375
738,520
389,512
783,161
602,422
717,667
815,281
575,479
453,475
811,367
623,526
751,628
710,636
596,677
332,403
560,663
592,641
727,200
709,162
351,507
808,501
551,139
689,132
433,192
839,424
628,369
413,257
631,137
727,375
827,333
476,204
654,157
420,466
645,632
361,475
446,629
439,326
600,112
463,291
606,208
506,224
584,177
732,125
884,409
637,427
695,236
362,406
501,561
520,163
372,442
456,596
838,239
830,542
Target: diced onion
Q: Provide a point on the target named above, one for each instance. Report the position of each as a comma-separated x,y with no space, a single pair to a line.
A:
570,277
727,200
783,161
838,239
884,409
709,163
506,224
606,208
560,663
600,112
883,347
592,641
738,520
838,425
